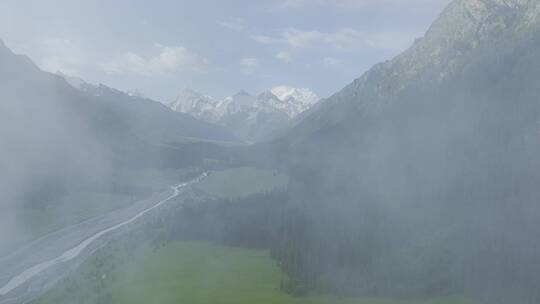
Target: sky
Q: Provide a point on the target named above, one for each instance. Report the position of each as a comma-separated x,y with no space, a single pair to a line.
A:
215,47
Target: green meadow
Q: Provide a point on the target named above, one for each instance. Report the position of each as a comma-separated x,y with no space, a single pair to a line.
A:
243,181
190,272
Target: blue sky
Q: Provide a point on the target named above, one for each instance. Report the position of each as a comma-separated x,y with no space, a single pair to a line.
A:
215,47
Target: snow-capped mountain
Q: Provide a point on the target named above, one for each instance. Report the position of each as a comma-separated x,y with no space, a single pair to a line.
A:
251,118
95,89
200,106
295,100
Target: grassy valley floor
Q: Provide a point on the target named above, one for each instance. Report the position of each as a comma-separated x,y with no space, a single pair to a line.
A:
192,273
241,182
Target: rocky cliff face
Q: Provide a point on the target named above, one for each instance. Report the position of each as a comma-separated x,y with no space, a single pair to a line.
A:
465,29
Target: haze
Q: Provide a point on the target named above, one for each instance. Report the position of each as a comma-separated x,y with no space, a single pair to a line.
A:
291,152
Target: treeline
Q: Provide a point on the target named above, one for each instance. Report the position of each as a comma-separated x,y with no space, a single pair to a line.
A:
346,243
319,247
249,222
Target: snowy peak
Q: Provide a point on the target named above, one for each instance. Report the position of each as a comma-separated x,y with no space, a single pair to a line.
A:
296,100
196,104
267,95
250,116
291,101
303,95
186,100
285,99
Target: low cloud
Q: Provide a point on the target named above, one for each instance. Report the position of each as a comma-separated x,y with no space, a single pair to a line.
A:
168,60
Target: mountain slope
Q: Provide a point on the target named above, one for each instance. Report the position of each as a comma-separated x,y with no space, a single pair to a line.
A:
464,31
154,122
295,101
56,140
418,179
150,119
253,118
202,107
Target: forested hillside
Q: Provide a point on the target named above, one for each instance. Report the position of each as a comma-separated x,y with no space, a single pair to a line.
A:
419,179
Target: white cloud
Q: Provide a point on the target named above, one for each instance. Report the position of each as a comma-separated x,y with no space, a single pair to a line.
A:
284,56
236,24
249,65
344,39
60,55
331,61
334,44
169,60
69,66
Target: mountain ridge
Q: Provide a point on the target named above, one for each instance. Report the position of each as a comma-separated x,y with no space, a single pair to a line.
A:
464,29
251,117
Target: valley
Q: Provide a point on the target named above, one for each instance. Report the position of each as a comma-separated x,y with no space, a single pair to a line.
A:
147,266
127,188
63,248
411,179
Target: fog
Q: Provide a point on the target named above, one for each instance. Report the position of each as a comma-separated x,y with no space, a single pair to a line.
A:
415,183
45,142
